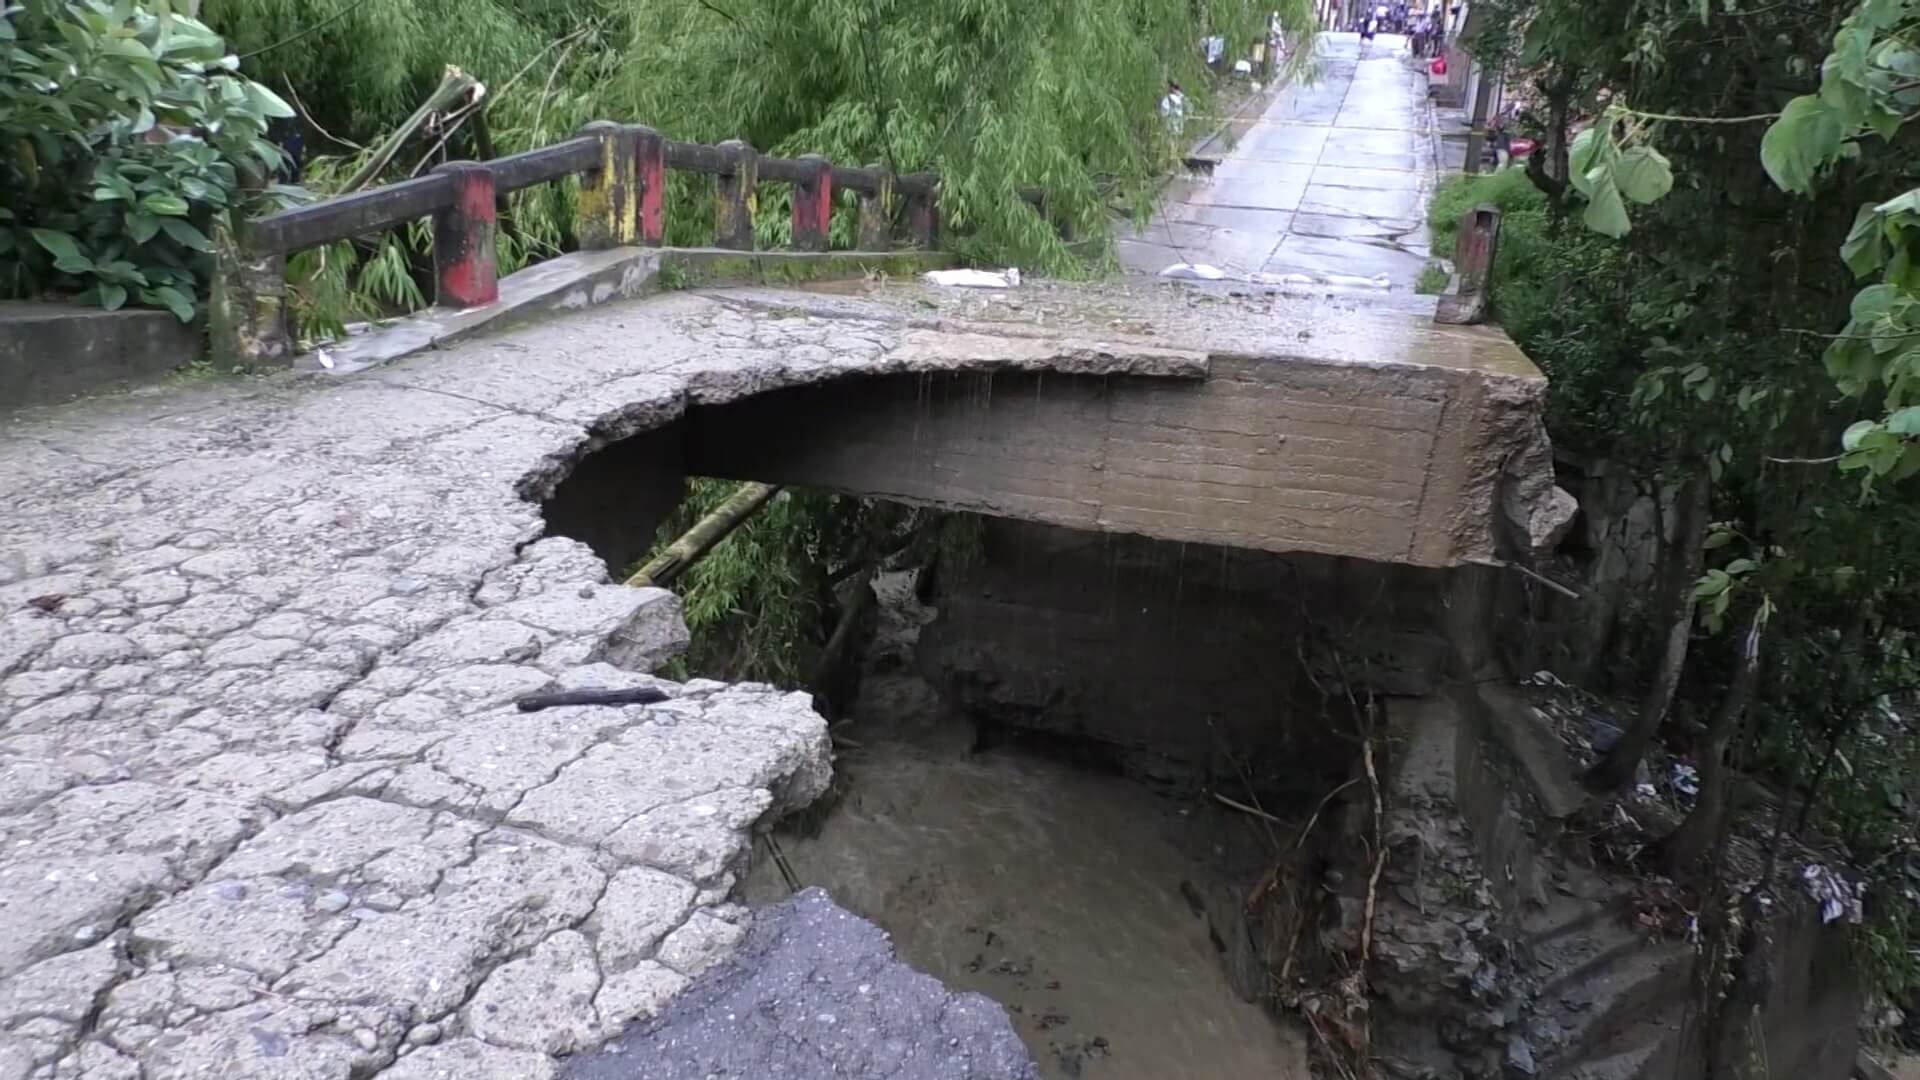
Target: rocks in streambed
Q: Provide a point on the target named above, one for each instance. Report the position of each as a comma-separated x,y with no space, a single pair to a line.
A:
815,992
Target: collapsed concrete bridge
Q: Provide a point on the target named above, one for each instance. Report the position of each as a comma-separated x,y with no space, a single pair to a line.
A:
1226,422
259,640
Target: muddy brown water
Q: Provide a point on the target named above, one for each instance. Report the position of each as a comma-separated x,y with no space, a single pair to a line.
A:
1053,890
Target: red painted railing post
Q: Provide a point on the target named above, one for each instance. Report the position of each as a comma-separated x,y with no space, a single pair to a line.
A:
607,195
876,215
813,205
923,213
1474,254
463,239
734,198
650,168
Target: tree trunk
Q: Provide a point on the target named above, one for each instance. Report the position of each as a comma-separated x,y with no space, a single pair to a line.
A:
1547,166
674,559
1681,567
1695,837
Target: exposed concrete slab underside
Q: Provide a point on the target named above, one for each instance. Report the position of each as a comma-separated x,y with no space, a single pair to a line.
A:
265,807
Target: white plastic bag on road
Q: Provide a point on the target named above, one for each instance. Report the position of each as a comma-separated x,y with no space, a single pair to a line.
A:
1262,278
975,279
1194,272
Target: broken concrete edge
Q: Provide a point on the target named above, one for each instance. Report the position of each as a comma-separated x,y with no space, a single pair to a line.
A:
52,352
920,352
584,279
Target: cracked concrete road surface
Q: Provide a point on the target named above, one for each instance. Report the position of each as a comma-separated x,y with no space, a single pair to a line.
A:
1330,183
266,808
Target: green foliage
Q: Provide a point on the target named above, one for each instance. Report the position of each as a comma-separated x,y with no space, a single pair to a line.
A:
1561,293
127,131
1433,280
757,601
991,94
1737,327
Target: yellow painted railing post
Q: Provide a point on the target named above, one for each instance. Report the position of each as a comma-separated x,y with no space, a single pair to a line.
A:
734,198
609,198
876,215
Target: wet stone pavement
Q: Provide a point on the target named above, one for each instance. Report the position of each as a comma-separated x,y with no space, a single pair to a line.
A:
1328,186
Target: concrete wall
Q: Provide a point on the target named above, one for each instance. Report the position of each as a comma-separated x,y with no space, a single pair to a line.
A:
52,352
1393,463
1191,661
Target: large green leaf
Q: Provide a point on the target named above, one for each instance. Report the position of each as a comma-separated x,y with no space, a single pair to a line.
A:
1865,249
1584,156
172,299
1905,421
65,251
1606,213
143,227
184,234
1643,175
1806,136
268,102
165,205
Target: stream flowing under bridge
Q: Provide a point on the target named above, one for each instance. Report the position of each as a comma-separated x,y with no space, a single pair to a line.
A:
267,808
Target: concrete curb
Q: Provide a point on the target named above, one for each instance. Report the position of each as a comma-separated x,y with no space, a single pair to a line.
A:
584,279
53,352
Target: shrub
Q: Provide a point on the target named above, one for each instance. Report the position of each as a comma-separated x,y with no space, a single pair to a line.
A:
126,134
1560,292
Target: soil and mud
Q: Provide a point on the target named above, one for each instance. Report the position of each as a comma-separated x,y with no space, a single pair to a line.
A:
1071,895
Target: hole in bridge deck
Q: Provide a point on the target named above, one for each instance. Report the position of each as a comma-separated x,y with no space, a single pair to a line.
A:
1038,731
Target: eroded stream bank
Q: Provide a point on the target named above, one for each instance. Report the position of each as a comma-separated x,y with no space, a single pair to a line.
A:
1077,772
1074,897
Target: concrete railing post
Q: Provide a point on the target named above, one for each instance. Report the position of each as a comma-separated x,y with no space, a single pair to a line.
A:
247,311
1473,257
464,269
813,205
876,215
923,213
734,199
650,168
609,196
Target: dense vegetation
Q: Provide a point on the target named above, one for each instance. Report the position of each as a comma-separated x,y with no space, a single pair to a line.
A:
991,94
1688,270
125,135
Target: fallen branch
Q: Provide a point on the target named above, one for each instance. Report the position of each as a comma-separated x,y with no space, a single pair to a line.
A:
780,862
1528,572
453,85
675,558
1245,809
637,695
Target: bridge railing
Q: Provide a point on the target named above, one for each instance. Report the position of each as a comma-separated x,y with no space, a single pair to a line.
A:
623,170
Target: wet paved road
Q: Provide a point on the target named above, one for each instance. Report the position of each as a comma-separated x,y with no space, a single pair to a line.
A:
1330,181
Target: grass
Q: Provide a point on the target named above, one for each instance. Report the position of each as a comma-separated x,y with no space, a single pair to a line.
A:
1520,204
1432,280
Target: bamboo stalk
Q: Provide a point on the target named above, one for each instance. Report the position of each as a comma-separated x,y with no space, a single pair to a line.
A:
454,85
673,560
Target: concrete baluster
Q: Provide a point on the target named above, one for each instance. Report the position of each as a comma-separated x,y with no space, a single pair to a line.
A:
650,167
813,205
923,213
464,270
1473,256
876,215
734,198
609,196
